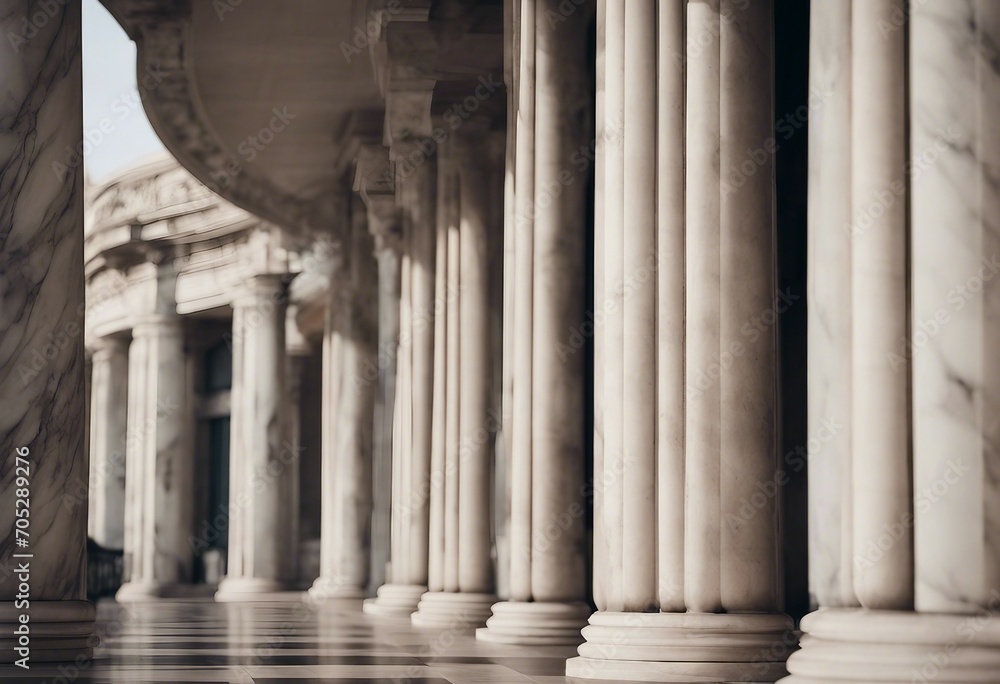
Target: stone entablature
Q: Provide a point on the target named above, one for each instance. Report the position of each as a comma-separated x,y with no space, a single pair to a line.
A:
159,216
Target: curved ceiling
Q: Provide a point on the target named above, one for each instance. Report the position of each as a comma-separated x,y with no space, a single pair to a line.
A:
254,97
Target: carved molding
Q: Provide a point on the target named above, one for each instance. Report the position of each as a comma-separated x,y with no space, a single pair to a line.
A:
162,31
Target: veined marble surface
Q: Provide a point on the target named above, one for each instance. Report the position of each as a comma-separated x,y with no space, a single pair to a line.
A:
41,297
829,296
956,302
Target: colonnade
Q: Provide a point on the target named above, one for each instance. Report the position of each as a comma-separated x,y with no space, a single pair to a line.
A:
485,257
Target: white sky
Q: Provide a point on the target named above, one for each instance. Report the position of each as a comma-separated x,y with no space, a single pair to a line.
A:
111,99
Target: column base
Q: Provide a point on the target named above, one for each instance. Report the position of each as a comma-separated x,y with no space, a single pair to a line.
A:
395,600
59,631
234,589
332,589
684,647
856,645
535,623
141,592
451,610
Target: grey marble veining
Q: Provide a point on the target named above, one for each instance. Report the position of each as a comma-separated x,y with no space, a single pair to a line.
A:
829,295
956,303
41,295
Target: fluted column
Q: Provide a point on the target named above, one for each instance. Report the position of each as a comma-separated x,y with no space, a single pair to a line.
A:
159,556
416,193
548,573
108,430
472,394
349,402
41,322
923,555
383,222
831,575
264,468
688,577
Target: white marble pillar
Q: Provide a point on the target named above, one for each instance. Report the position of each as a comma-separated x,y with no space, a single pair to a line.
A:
41,323
925,552
831,573
417,195
879,390
108,430
689,579
442,570
472,395
263,552
955,224
348,445
384,224
548,567
159,469
297,353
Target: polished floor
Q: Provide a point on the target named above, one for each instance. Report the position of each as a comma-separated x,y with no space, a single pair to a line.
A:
203,641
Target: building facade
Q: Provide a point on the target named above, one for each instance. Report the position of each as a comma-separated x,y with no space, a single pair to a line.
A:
582,285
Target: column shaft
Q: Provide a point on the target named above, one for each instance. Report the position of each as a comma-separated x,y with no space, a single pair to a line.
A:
446,200
670,307
108,414
422,219
388,338
831,550
749,542
614,330
452,399
475,369
521,330
955,326
264,471
880,420
42,388
639,379
702,523
159,467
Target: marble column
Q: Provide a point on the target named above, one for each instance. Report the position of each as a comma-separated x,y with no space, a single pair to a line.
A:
383,222
348,413
159,468
924,558
108,430
689,567
42,390
264,468
416,195
472,396
297,353
548,569
831,575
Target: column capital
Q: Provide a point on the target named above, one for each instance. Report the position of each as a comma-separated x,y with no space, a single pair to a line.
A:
385,222
261,286
108,346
